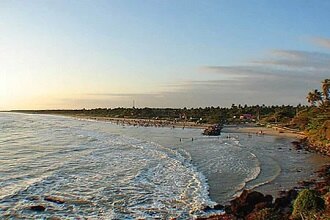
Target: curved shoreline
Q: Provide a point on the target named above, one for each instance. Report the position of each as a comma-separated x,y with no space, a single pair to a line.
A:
248,129
251,130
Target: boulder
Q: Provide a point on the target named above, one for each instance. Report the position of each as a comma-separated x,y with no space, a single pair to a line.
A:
254,198
297,145
216,207
37,208
54,199
286,199
248,201
219,207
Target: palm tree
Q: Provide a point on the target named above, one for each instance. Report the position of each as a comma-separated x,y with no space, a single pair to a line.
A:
310,98
326,90
314,96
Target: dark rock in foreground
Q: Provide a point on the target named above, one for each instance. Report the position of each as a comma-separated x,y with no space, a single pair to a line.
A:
248,201
38,208
253,205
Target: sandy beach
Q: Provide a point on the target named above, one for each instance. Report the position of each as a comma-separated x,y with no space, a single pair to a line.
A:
248,129
258,130
146,122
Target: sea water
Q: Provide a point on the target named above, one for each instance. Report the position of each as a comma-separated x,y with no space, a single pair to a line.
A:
101,170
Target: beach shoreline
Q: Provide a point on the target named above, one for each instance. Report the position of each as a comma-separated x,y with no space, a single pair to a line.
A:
244,129
261,130
250,129
144,122
280,202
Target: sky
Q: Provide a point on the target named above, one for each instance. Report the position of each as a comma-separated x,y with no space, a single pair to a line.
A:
68,54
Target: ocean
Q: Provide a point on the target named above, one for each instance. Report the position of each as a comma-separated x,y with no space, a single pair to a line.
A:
100,170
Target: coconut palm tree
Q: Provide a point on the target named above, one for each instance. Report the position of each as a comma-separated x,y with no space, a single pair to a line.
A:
314,96
311,98
326,90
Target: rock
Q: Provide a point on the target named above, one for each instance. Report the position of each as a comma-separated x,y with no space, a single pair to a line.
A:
297,145
79,201
321,185
306,183
323,191
228,209
34,198
54,199
292,194
216,207
248,201
219,207
38,208
324,171
281,202
262,205
207,208
254,197
286,199
268,198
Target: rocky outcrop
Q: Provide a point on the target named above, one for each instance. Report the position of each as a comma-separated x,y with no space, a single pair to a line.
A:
214,130
37,208
252,205
54,199
248,201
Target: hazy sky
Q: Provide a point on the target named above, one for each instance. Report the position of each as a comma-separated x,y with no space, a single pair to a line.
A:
75,54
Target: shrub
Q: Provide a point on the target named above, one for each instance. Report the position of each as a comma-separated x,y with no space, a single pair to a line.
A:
307,204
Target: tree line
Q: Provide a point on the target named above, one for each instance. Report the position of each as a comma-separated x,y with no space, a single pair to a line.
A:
301,116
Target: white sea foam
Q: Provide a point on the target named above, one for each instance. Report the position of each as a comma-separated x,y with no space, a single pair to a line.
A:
123,177
102,174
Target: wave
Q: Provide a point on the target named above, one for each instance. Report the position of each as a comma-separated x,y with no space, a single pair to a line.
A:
102,173
269,179
125,176
254,175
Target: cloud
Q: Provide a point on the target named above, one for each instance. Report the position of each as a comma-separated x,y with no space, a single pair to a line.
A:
297,60
323,42
289,64
281,77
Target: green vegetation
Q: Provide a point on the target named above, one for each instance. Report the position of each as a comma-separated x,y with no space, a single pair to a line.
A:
211,115
322,98
307,205
315,120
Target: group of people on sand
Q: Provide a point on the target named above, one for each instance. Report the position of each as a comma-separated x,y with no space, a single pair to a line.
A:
145,123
